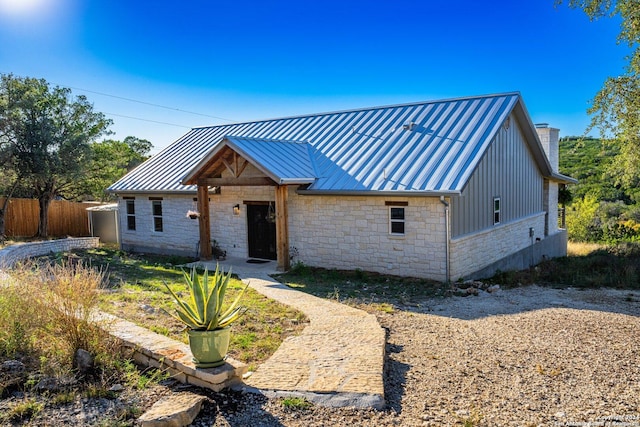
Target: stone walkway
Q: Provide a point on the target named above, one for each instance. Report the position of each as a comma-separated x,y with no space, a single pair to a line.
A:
338,360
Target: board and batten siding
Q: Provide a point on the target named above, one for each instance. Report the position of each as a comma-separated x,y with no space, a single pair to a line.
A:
508,170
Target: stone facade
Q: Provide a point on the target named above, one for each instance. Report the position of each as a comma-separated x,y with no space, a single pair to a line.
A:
327,231
471,253
353,232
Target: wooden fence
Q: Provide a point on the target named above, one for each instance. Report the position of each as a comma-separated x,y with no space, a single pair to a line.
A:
65,218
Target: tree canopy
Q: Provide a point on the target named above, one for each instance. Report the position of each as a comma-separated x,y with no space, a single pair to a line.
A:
46,135
615,110
110,160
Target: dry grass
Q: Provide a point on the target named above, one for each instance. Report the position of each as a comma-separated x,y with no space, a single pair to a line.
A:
583,248
44,313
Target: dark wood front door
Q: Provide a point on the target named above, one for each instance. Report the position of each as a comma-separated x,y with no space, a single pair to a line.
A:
261,228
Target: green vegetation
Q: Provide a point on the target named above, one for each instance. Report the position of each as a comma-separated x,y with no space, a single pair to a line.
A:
136,291
24,410
38,329
202,310
378,291
614,110
600,211
296,403
614,266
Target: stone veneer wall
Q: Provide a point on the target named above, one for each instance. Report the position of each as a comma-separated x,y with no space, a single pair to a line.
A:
348,232
473,252
180,234
327,231
552,199
21,251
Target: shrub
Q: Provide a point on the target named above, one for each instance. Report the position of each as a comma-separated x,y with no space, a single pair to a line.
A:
45,314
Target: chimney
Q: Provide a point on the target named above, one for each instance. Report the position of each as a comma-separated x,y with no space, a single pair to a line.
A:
549,139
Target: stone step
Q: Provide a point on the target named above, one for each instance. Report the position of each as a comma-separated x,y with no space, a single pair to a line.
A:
175,410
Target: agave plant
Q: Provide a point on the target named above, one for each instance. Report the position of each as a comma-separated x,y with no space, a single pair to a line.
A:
202,310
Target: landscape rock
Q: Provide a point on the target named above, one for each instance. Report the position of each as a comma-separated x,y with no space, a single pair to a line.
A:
494,288
147,308
472,291
12,367
12,372
83,361
48,384
175,410
116,388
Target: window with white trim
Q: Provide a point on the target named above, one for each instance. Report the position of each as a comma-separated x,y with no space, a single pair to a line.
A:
156,208
131,214
396,220
497,214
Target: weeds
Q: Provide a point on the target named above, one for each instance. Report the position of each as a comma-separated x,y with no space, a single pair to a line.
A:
64,398
360,287
587,266
471,418
99,391
25,410
295,403
133,377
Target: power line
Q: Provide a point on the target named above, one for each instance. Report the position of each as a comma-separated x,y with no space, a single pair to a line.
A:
147,120
150,103
141,102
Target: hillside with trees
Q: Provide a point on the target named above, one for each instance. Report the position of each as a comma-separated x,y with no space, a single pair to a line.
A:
603,209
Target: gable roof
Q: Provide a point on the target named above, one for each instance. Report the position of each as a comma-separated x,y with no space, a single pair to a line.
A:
285,162
428,147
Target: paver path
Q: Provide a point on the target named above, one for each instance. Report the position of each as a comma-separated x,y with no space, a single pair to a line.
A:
338,360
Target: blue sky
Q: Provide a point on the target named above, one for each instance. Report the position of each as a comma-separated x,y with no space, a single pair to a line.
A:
244,60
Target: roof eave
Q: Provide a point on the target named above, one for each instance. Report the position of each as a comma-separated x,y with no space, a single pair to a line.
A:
562,179
296,181
376,193
153,192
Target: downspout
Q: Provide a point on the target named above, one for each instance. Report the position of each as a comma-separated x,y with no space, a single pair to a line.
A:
446,226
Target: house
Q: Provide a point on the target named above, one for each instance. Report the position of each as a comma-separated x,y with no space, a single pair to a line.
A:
445,189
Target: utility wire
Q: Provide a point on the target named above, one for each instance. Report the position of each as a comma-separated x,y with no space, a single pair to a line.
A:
144,103
150,103
146,120
141,102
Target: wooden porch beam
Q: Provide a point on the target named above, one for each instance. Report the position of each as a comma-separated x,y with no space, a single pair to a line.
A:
228,165
282,227
242,167
204,222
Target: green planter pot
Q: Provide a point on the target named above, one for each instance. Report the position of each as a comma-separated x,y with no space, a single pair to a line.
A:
209,348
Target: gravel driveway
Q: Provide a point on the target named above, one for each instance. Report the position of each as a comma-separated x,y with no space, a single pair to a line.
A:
521,357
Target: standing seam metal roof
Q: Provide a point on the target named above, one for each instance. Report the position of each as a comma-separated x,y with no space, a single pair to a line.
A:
422,147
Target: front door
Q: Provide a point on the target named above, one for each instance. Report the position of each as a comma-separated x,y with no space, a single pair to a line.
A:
261,227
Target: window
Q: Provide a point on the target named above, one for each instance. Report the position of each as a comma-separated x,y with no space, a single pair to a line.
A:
156,206
496,210
396,220
131,215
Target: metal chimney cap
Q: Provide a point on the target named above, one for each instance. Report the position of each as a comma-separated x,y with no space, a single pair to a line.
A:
541,125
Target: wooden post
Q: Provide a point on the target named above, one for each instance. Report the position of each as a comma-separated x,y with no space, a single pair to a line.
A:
282,227
204,222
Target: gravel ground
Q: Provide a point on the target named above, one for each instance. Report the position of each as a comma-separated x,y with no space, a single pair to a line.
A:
529,356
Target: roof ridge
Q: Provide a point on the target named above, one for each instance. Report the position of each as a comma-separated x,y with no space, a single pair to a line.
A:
356,110
253,138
